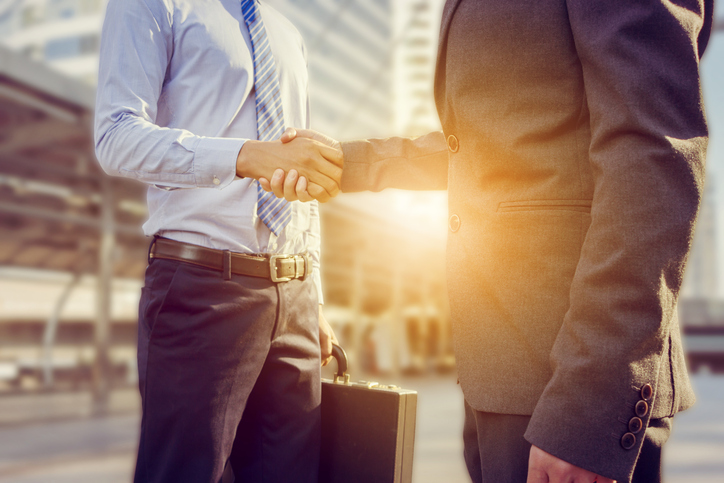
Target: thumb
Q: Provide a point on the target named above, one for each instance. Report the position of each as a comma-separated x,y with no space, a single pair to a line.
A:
537,475
289,134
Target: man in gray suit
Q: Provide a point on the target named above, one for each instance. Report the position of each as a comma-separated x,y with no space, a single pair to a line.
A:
573,151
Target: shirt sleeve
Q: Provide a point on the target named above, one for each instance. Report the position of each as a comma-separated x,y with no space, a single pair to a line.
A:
136,46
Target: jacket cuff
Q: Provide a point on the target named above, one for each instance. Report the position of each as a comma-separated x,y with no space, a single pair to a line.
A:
215,161
607,443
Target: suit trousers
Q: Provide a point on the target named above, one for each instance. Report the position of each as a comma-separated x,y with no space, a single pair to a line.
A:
229,374
496,452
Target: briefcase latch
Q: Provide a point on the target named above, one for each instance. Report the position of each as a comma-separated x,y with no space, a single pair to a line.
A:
343,379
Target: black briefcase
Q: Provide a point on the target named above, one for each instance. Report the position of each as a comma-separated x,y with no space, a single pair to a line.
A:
368,430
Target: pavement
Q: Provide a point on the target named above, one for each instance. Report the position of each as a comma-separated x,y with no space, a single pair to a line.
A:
51,438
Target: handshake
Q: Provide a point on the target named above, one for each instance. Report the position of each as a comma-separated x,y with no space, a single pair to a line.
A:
302,165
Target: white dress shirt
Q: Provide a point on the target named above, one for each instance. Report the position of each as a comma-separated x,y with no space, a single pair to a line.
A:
175,104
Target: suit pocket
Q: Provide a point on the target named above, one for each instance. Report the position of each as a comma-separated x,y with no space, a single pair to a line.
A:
583,206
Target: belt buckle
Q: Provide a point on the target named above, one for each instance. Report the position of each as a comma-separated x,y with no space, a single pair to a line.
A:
273,268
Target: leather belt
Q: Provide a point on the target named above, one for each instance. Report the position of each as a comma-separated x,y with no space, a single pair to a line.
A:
277,268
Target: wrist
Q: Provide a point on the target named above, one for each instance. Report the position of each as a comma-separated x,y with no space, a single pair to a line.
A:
248,158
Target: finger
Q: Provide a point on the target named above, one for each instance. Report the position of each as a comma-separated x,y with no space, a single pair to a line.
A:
318,193
317,136
537,476
288,135
277,183
265,185
290,184
301,189
333,155
319,178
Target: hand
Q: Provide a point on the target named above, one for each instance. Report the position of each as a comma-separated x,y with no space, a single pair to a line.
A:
317,162
546,468
326,337
291,185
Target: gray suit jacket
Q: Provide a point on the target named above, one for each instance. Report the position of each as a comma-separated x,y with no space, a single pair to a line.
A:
574,162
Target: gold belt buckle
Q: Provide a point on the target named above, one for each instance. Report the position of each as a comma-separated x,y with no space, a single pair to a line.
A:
273,268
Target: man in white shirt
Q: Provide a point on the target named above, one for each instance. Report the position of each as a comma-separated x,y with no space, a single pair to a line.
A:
191,100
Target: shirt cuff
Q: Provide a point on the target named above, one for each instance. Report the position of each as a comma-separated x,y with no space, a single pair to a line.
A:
215,161
318,283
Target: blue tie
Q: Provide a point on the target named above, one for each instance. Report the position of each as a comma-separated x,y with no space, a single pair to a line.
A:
274,212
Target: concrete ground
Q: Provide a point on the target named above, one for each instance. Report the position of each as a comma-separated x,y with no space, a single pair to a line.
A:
51,438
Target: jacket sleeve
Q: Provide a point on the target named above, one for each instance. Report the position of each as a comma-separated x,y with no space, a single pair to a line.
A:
404,163
648,140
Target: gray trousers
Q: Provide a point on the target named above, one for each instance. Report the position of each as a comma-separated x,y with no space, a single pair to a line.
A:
229,374
496,452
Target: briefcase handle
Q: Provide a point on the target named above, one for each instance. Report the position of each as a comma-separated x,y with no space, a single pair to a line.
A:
341,357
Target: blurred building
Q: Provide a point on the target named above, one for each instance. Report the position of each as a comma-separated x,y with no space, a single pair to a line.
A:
701,278
417,29
349,45
71,254
62,33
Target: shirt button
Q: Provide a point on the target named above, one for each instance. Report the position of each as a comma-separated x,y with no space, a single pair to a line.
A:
646,392
635,425
216,181
454,223
453,144
641,409
628,441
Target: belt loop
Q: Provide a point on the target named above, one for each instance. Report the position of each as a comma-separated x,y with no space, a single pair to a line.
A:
226,264
149,257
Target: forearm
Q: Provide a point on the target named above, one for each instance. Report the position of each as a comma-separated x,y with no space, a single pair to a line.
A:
416,164
136,148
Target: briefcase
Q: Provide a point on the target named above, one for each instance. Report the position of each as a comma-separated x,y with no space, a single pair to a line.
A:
368,430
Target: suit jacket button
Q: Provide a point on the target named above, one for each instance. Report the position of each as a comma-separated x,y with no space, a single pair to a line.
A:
646,392
641,409
635,425
453,144
454,223
628,441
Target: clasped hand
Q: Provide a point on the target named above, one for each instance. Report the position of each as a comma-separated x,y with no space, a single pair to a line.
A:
313,157
304,185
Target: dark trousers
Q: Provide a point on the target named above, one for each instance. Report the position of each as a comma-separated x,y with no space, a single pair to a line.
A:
496,452
229,373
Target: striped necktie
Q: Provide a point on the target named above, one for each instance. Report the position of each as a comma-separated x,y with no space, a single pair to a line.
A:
274,212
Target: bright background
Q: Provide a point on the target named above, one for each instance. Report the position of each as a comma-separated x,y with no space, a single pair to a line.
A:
66,417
